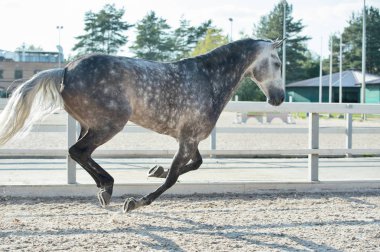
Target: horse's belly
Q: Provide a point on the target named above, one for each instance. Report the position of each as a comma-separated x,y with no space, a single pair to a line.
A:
183,125
156,123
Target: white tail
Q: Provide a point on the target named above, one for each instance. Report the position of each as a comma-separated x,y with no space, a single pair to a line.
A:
31,101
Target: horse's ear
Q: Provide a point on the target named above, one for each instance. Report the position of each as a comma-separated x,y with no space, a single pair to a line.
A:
278,43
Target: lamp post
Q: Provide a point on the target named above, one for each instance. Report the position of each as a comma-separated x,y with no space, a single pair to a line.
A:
231,20
284,47
363,54
340,70
59,47
320,73
330,76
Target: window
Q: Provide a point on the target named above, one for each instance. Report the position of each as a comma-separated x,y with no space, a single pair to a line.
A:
1,74
18,74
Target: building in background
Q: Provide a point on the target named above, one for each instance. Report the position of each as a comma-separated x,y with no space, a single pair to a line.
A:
373,91
308,90
17,67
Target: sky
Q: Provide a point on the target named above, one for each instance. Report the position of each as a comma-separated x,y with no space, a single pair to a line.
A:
35,22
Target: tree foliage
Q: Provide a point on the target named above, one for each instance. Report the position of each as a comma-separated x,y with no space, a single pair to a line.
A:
213,39
187,36
153,40
352,40
104,31
249,91
25,47
271,27
300,64
352,44
156,40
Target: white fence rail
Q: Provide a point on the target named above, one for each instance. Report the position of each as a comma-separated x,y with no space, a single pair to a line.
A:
313,151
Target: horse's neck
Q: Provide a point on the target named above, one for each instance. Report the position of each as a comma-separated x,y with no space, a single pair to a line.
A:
226,67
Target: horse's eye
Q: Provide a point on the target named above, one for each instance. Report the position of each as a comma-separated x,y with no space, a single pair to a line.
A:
277,64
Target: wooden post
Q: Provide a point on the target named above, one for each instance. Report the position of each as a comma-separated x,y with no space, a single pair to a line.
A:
313,144
71,139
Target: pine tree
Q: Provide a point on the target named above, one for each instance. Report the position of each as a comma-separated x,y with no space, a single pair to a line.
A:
186,37
213,39
153,40
103,31
271,27
352,40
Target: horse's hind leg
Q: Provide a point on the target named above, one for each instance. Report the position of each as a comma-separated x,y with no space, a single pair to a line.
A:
83,131
182,157
194,165
81,153
159,172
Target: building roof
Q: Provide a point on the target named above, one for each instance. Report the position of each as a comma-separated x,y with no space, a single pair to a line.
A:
350,78
375,81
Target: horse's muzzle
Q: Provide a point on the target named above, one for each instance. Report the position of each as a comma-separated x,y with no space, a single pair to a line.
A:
276,96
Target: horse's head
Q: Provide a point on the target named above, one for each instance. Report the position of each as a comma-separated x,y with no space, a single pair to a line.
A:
266,72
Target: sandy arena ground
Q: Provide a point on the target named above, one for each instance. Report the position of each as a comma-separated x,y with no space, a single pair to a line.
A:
278,222
288,222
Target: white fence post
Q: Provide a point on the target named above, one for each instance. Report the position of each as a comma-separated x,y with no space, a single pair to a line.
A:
71,139
213,141
313,144
348,132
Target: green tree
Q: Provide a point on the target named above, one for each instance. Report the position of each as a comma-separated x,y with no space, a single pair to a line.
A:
311,65
29,48
335,40
249,91
352,44
271,27
352,40
213,39
103,31
153,40
186,37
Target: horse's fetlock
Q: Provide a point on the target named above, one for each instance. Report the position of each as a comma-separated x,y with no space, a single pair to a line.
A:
146,201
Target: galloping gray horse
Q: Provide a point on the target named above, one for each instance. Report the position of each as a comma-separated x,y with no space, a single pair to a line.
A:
182,99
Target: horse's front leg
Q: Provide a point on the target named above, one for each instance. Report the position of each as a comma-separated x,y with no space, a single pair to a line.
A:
182,157
159,171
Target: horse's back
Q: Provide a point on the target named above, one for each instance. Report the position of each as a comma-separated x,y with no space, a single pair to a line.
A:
163,97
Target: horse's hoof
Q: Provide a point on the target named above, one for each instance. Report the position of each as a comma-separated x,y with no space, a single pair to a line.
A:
129,205
156,171
104,196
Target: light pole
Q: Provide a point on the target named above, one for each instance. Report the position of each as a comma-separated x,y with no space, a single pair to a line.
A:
363,54
59,47
340,69
320,73
284,47
231,20
330,76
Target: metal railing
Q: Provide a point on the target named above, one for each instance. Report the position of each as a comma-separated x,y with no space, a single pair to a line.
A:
313,151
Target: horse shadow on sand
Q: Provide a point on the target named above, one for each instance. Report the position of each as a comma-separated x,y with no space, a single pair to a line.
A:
272,236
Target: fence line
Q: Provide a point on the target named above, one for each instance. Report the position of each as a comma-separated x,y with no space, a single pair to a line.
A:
313,152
